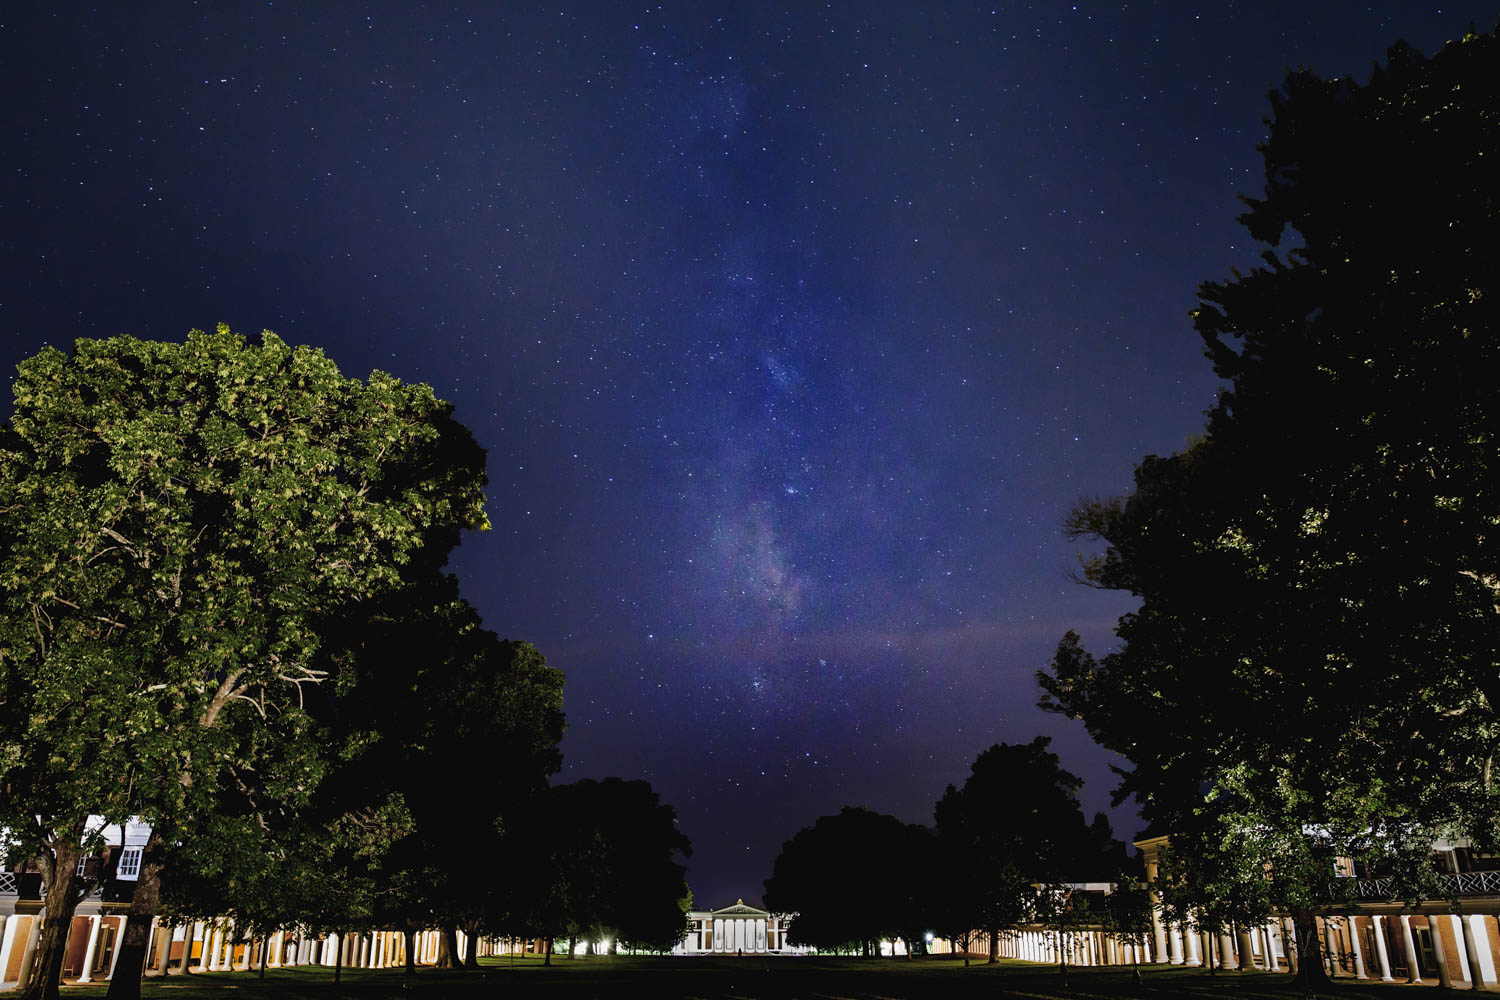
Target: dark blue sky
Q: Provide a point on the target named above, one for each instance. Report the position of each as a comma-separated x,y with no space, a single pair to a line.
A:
793,332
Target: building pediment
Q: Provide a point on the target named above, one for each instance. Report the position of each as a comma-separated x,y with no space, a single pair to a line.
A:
739,909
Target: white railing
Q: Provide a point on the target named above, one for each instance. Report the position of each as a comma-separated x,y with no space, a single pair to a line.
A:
1462,884
1372,888
1475,883
9,882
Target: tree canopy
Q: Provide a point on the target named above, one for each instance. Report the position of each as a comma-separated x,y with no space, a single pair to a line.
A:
180,522
1316,643
1014,824
612,865
850,879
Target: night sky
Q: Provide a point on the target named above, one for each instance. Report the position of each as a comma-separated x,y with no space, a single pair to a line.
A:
792,332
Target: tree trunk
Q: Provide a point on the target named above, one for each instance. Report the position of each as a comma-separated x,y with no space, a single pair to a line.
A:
409,945
548,959
338,959
57,914
994,946
448,947
125,984
265,954
471,958
1308,963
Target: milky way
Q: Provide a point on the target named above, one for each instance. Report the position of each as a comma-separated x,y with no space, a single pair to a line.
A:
792,332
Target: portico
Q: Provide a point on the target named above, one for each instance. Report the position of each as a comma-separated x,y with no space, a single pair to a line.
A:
735,930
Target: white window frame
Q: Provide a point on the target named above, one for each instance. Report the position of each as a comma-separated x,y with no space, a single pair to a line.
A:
130,863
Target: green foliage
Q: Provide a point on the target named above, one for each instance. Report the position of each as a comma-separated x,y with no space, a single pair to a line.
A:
1311,671
177,517
1016,823
1126,911
179,524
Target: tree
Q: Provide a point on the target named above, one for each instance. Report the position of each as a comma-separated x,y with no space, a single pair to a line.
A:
613,848
1315,648
846,880
464,726
1126,913
179,521
1016,823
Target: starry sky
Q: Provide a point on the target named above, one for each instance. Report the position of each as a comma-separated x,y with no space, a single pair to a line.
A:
793,331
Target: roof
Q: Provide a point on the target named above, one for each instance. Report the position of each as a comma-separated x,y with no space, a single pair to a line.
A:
739,909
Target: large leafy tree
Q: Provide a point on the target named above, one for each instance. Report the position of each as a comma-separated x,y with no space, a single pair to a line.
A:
613,865
177,524
1014,824
465,728
848,880
1317,641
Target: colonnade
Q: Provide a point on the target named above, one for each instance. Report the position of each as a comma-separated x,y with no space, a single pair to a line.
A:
214,945
1084,946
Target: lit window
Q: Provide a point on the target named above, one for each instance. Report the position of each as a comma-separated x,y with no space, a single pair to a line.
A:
130,863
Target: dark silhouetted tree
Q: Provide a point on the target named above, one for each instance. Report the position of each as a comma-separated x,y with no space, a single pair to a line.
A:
848,881
1319,574
1015,823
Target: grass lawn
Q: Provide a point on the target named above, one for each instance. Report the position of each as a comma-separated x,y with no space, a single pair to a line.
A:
742,979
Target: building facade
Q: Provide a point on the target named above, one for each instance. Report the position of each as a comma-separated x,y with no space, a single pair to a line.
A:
737,930
1449,942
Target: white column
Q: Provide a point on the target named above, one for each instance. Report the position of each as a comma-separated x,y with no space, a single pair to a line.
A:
1468,959
1194,953
1471,947
1246,950
206,953
28,951
1482,944
1359,956
87,975
153,945
1445,979
114,956
760,936
7,937
1227,959
1158,926
1411,949
1381,955
164,960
